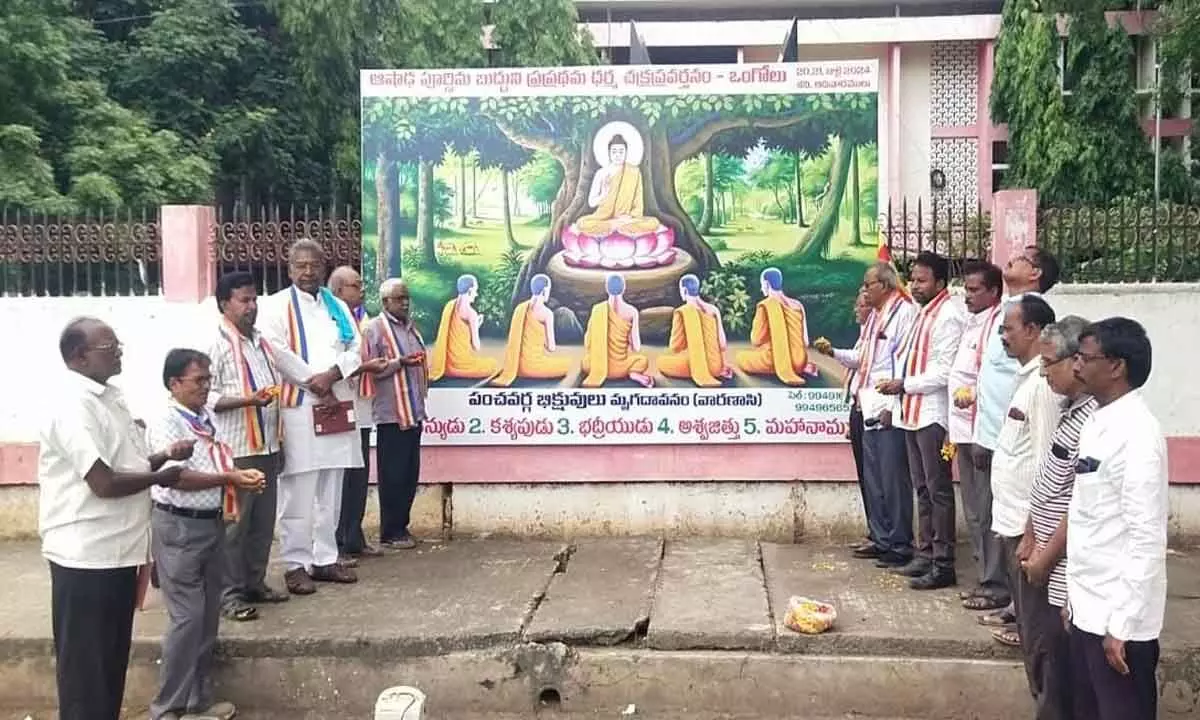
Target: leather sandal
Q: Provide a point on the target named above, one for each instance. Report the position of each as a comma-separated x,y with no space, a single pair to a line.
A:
298,582
334,574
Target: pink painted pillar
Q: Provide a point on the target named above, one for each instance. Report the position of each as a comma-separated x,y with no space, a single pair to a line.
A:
893,124
1014,223
189,273
983,121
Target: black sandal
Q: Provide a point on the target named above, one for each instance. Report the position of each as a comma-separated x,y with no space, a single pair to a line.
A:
984,602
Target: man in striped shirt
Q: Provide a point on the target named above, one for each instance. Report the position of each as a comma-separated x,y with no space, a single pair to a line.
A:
1042,584
245,383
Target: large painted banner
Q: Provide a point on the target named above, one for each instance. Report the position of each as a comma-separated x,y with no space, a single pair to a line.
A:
626,254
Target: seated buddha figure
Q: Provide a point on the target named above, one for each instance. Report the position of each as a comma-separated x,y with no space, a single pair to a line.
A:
779,334
696,350
531,347
456,349
617,234
612,341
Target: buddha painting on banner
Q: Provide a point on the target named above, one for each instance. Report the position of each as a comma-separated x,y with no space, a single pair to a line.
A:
626,256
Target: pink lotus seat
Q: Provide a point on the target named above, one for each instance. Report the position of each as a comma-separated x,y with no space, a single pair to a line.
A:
617,251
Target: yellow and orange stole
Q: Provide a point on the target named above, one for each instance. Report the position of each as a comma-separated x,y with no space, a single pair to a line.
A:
407,393
920,342
255,432
293,395
366,381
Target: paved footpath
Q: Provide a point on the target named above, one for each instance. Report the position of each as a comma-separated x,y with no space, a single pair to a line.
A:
679,628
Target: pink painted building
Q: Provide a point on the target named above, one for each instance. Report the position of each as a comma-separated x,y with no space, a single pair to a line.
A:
936,70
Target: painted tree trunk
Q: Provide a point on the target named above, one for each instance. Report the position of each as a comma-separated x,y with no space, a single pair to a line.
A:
504,199
426,235
799,191
474,191
462,191
383,215
706,217
855,199
815,241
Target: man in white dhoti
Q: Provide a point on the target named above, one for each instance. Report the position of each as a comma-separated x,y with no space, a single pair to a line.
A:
317,353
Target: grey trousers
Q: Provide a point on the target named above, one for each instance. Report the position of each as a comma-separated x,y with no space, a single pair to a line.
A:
935,495
1046,647
975,481
189,558
248,541
885,473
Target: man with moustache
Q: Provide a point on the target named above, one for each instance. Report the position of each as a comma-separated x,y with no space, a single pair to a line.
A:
243,402
1023,440
95,472
318,353
885,458
399,409
862,312
1042,583
925,358
1117,530
983,284
1033,272
347,285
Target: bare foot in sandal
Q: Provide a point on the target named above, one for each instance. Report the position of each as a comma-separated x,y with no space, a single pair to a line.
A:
996,619
1007,636
983,602
240,612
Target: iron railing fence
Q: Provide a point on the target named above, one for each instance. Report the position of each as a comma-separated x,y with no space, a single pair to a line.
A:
257,239
1123,241
959,230
89,255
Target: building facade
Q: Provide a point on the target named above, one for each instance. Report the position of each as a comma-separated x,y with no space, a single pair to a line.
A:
936,62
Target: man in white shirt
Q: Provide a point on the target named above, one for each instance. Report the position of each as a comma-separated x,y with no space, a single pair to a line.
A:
188,540
318,352
1033,272
925,359
94,476
347,285
1023,441
1117,530
983,284
885,458
244,404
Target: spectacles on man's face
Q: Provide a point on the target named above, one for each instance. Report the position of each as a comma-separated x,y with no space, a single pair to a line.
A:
200,380
869,283
1086,358
1047,364
112,347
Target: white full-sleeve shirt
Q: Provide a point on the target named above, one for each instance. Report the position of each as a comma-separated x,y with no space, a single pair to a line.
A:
890,326
978,329
303,450
1023,441
925,391
1117,524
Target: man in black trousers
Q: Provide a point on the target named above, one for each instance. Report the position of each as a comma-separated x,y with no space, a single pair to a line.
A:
399,410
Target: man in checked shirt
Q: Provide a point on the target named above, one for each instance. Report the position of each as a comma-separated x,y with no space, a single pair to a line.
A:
242,400
1042,583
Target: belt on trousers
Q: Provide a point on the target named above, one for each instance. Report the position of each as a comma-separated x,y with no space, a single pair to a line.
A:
212,514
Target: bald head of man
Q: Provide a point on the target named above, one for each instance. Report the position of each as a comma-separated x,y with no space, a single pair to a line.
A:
91,348
346,284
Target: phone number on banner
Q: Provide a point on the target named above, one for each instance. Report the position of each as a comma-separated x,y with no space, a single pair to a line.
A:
635,417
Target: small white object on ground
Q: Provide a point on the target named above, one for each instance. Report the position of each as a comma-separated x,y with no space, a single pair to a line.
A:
630,710
400,703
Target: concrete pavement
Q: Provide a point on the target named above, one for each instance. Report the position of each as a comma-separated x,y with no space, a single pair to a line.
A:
686,628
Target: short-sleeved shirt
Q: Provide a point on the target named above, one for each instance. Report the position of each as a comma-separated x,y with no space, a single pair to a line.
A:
88,423
171,426
1051,495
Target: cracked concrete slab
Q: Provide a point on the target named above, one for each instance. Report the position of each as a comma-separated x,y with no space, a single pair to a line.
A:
604,595
711,596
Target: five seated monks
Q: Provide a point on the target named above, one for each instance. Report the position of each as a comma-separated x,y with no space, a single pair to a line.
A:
779,334
456,354
612,340
696,350
529,353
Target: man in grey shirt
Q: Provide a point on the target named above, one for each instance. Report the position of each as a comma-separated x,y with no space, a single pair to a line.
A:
399,411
